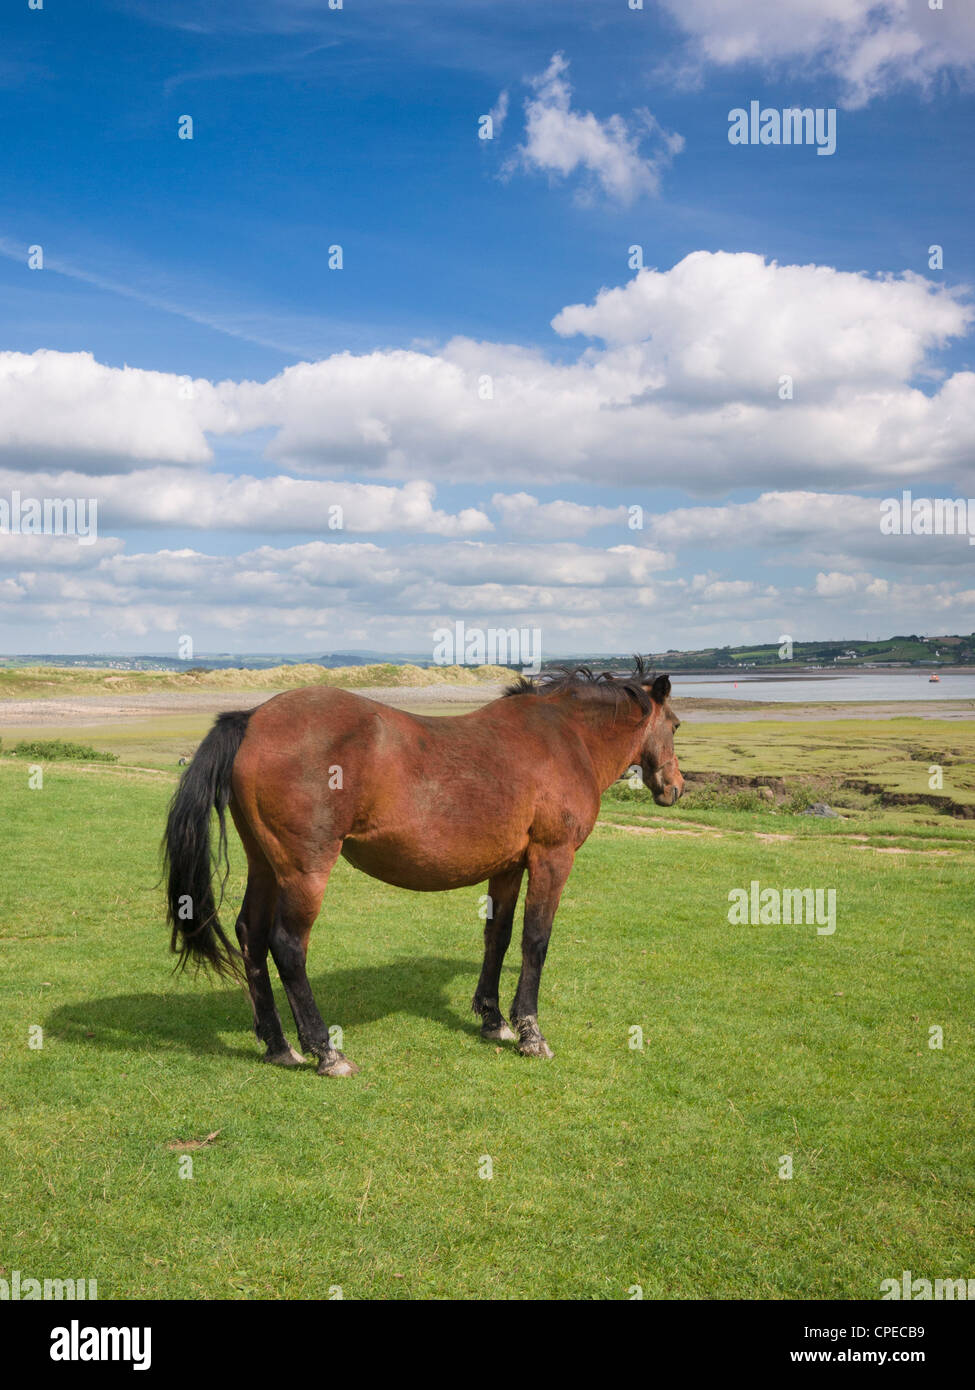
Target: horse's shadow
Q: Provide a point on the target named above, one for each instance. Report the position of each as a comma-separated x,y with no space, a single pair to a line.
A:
179,1019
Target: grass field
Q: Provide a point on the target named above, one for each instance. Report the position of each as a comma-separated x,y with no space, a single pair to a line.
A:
613,1166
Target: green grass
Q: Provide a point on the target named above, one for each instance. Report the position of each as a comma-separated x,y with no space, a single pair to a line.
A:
612,1166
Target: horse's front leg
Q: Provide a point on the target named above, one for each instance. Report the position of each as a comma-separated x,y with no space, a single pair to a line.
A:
548,870
503,890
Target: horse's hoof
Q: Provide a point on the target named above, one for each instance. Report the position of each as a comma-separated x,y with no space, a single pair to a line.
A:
502,1033
532,1043
334,1064
288,1058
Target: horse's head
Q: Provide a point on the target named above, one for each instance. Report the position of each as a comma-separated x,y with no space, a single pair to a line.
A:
657,757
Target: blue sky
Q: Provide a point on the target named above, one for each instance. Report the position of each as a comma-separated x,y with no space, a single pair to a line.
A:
205,262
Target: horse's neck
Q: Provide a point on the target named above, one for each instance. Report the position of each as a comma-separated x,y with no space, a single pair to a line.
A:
612,743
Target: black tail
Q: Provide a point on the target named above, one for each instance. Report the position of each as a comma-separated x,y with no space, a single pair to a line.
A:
191,910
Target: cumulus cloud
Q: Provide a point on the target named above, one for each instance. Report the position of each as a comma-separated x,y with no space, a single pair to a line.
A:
414,581
804,528
379,571
524,515
57,405
681,383
836,584
335,593
629,594
219,502
686,384
870,46
731,324
559,140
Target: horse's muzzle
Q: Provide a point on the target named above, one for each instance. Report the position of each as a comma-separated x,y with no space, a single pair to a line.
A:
666,793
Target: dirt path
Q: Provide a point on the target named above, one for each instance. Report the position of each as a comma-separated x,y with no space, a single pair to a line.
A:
711,832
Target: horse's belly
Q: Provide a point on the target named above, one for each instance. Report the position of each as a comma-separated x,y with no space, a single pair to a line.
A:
427,867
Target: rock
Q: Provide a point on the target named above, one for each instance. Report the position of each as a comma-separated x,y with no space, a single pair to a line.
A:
766,793
819,808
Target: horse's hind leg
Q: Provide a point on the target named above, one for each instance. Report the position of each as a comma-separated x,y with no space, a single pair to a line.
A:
299,900
503,892
254,933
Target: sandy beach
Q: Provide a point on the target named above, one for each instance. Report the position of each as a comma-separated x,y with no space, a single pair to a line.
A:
84,711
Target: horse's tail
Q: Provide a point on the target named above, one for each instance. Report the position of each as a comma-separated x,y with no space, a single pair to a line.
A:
191,909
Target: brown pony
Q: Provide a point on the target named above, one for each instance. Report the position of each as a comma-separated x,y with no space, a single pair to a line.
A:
418,802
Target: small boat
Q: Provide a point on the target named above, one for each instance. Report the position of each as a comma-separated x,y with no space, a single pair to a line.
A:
932,678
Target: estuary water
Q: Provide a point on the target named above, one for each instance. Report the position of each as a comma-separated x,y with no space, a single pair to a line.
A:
804,686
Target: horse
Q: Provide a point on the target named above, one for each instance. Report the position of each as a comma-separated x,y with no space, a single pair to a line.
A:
424,803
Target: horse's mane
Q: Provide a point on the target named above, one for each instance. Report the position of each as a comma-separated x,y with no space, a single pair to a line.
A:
585,683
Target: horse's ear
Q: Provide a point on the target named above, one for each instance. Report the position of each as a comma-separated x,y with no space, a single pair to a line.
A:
660,689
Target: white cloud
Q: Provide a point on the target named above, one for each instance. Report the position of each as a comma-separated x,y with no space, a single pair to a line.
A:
524,515
871,46
685,389
803,528
732,324
178,497
321,593
559,140
688,387
66,405
835,584
377,572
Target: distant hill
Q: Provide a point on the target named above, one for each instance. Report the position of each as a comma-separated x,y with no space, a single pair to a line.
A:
267,670
912,650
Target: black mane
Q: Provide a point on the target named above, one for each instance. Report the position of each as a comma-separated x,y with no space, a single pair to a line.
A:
584,682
